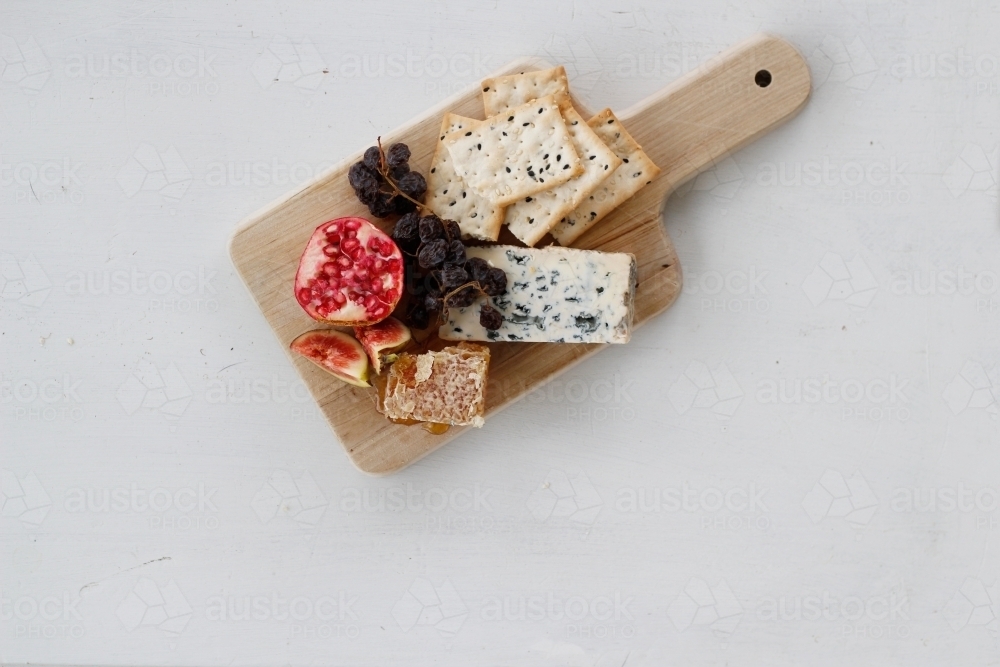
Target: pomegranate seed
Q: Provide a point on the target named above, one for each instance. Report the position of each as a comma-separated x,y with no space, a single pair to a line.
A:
305,294
375,287
333,229
394,265
351,234
344,261
350,244
339,298
330,269
391,295
352,225
357,253
379,264
331,250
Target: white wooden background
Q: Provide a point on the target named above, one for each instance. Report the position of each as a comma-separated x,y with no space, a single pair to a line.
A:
797,464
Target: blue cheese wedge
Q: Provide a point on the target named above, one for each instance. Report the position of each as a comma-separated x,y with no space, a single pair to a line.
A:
554,295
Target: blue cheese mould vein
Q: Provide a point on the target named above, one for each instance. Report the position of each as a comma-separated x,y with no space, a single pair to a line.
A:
554,295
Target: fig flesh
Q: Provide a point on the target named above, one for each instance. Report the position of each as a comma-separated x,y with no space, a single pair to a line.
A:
335,352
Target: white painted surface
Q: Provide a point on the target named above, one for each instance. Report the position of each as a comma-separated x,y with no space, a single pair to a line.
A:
853,250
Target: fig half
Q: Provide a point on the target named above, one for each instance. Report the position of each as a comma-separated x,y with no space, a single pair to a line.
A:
335,352
381,340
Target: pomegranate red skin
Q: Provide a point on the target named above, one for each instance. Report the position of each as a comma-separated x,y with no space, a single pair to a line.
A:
335,352
350,274
382,339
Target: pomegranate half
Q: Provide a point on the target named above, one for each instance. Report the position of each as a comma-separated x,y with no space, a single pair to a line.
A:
350,274
335,352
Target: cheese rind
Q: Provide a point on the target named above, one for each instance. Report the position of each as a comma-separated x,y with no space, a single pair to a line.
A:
554,295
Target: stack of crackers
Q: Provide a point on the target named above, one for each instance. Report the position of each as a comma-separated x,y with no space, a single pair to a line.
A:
533,164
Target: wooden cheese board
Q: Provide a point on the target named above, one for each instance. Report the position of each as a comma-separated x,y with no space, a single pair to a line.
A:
685,128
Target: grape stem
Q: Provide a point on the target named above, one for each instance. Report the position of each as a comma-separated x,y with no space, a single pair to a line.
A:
383,169
472,283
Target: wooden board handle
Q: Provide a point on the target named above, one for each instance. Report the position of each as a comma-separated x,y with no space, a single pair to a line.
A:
722,105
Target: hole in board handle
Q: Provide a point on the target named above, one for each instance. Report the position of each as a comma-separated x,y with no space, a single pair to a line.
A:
762,78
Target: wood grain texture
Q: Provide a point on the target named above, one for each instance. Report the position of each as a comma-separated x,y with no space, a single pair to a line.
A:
685,128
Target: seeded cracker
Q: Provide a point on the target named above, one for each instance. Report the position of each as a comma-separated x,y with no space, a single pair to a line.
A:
635,172
513,90
449,198
517,153
531,218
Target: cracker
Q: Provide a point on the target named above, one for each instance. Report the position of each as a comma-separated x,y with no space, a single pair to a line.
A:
529,219
449,198
635,172
513,90
517,153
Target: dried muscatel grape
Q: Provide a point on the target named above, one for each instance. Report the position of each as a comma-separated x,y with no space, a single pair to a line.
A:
360,175
412,184
399,172
372,158
452,230
456,252
495,283
490,318
432,253
431,228
406,233
433,304
463,298
367,193
452,276
397,155
477,267
383,205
